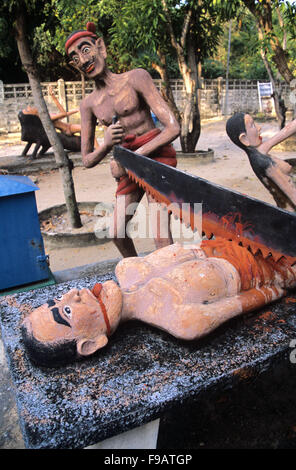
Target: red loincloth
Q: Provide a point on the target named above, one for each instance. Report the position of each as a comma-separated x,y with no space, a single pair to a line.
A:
165,154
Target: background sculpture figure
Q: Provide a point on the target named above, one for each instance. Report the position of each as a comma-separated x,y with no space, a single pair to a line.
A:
32,131
186,291
274,173
127,98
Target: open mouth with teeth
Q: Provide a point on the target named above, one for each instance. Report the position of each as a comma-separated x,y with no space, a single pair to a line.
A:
90,68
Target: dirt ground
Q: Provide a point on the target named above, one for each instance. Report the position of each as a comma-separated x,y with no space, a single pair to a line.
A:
230,168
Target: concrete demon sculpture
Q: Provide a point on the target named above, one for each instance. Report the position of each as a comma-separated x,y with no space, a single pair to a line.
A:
127,99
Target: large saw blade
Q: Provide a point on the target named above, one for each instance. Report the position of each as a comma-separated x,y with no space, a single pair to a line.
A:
225,213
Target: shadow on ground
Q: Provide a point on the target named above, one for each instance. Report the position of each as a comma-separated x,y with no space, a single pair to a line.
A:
258,414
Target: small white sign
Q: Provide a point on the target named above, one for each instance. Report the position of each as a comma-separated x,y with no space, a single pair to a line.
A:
266,101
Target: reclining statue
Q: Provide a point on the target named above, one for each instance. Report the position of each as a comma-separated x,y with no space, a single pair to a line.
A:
187,291
275,174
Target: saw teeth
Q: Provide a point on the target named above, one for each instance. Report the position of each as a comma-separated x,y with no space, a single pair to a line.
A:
265,252
208,234
210,221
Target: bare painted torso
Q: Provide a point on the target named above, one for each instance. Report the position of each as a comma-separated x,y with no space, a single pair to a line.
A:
119,97
130,96
188,294
174,291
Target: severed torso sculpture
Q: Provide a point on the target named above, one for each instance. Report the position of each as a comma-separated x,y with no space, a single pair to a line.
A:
187,291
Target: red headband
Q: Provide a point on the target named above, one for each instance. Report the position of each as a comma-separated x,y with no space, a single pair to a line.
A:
90,32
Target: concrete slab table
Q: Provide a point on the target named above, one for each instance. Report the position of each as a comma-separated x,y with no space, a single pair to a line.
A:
141,374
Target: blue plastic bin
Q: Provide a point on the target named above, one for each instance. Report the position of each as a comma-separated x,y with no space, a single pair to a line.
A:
22,257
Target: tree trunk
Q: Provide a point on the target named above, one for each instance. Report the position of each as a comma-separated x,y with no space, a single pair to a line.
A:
60,155
165,88
279,103
263,14
190,125
280,59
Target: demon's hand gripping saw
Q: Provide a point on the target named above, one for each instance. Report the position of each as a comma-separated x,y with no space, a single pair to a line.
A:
225,213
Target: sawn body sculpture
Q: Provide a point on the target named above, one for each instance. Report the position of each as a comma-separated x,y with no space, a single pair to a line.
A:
187,291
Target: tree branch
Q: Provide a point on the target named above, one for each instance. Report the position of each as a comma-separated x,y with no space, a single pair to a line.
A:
263,15
60,156
185,28
170,26
282,25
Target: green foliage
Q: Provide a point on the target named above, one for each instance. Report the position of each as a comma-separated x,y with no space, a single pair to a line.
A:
136,31
6,40
290,18
245,58
213,68
10,65
228,10
9,58
139,30
71,16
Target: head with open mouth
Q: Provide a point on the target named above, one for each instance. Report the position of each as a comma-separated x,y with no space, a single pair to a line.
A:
243,131
87,51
